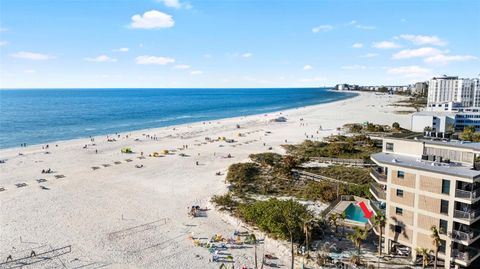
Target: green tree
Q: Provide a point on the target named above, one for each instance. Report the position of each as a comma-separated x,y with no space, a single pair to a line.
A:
383,89
333,219
469,134
450,129
436,243
379,220
425,253
357,238
283,219
343,216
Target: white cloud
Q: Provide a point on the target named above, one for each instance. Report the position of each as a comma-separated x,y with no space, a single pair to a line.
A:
152,19
357,45
100,59
409,71
424,40
354,67
365,27
415,53
146,59
322,28
246,55
385,45
32,56
196,72
181,66
175,4
30,71
369,55
121,50
307,67
355,24
3,43
445,59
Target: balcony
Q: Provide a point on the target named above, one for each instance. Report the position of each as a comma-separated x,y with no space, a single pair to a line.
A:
378,175
468,236
471,195
467,214
378,192
464,255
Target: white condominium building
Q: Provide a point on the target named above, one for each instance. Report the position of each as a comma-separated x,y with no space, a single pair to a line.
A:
453,89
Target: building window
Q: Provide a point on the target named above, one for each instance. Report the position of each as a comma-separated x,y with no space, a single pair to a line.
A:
443,226
398,211
389,146
400,174
444,207
442,246
400,193
445,186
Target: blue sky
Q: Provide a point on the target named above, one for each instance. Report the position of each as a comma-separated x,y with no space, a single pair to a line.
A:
234,43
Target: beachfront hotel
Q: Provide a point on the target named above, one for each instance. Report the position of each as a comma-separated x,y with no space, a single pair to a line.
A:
421,183
446,89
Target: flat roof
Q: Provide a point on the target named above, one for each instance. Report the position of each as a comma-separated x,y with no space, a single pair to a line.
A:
453,143
475,146
435,113
452,169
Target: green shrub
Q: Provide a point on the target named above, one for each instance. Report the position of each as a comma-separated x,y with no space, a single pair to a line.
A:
277,217
225,202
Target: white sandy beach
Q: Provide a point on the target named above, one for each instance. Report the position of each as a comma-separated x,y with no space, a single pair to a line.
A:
89,210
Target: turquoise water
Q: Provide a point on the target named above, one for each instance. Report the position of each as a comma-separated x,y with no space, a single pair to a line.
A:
41,116
354,212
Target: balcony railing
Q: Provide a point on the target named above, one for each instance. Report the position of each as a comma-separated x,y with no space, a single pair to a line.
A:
378,176
465,255
469,215
465,236
467,194
378,191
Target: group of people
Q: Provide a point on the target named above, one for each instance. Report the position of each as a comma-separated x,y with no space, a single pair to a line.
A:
47,171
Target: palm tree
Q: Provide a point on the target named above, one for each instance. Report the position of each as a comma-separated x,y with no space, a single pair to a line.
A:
253,239
333,218
425,252
436,243
307,227
379,220
343,216
357,238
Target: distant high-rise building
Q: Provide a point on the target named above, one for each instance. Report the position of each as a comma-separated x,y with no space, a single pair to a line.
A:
453,89
421,88
476,92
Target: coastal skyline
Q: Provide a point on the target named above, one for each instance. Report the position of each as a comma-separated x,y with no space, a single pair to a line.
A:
172,43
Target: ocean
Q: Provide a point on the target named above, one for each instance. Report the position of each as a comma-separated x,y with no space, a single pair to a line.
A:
42,116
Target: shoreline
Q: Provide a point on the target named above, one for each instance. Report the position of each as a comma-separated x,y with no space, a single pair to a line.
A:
153,129
156,129
83,208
